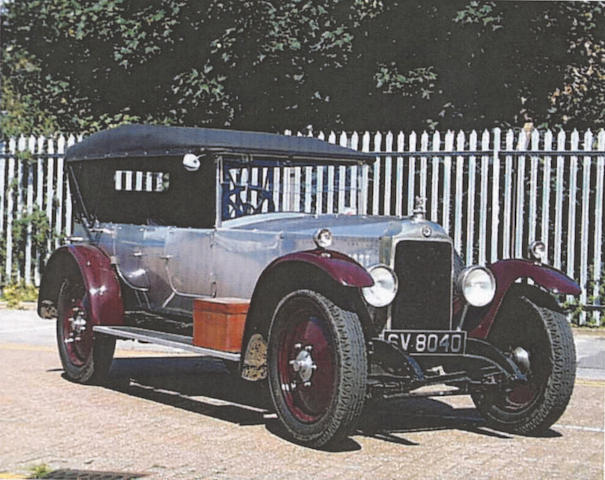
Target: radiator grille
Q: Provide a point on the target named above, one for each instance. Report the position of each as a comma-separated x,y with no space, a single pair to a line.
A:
424,298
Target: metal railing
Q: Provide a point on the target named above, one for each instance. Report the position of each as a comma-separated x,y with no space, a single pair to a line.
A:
493,191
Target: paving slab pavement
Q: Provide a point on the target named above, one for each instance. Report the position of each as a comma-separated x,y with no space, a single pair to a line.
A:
590,349
170,415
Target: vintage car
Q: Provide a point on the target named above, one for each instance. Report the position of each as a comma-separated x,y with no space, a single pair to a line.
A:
215,242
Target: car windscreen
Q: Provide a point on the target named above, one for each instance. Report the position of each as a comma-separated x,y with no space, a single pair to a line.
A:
146,191
267,185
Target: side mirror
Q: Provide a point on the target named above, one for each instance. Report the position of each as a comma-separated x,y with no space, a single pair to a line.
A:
191,162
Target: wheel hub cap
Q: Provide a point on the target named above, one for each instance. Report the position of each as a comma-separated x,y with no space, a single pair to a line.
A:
521,358
522,395
77,323
304,365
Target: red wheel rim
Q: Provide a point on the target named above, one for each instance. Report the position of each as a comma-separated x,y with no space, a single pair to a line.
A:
78,343
306,332
521,396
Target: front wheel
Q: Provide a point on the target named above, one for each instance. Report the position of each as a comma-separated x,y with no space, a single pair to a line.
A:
543,339
317,368
86,356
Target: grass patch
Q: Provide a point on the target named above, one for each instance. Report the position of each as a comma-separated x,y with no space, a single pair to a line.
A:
39,471
15,294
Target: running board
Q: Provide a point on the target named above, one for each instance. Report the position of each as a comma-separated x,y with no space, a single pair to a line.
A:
166,339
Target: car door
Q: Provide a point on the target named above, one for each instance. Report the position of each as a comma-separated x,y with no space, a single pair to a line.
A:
153,261
128,252
188,256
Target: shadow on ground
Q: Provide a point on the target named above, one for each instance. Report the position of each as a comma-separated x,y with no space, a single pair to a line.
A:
390,421
196,384
69,474
204,386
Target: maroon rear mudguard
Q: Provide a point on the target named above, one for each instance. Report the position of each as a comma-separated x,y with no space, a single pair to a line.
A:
507,271
102,286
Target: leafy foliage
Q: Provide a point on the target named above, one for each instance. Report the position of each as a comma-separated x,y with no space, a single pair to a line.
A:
22,113
41,234
575,308
40,471
581,94
16,293
265,65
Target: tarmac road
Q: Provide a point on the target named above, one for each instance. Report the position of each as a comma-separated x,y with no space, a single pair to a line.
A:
170,415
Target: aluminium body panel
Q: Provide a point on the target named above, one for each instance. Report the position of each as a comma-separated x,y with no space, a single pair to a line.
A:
154,260
174,265
128,252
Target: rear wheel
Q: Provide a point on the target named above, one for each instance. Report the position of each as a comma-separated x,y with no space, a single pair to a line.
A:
541,340
317,368
86,356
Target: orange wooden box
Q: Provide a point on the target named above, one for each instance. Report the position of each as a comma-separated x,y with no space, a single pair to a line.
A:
218,323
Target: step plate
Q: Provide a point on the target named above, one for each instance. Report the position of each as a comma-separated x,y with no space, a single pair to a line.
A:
166,339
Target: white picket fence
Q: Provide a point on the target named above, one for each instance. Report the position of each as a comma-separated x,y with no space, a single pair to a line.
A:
493,191
36,181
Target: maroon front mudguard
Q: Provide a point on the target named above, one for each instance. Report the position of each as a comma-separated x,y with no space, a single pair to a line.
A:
339,267
507,271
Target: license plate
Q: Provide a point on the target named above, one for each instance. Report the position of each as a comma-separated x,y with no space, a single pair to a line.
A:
423,342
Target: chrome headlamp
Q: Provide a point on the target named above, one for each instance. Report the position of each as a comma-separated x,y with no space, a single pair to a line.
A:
383,292
323,238
537,251
478,285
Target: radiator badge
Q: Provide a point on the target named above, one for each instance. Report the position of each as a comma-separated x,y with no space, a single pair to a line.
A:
427,231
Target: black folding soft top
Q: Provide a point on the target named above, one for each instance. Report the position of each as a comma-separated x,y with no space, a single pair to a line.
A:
155,140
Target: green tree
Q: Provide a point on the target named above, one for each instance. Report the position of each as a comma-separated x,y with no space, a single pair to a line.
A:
477,64
269,64
103,62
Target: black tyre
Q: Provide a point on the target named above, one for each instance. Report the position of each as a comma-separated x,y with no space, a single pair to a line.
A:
86,356
317,368
546,336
